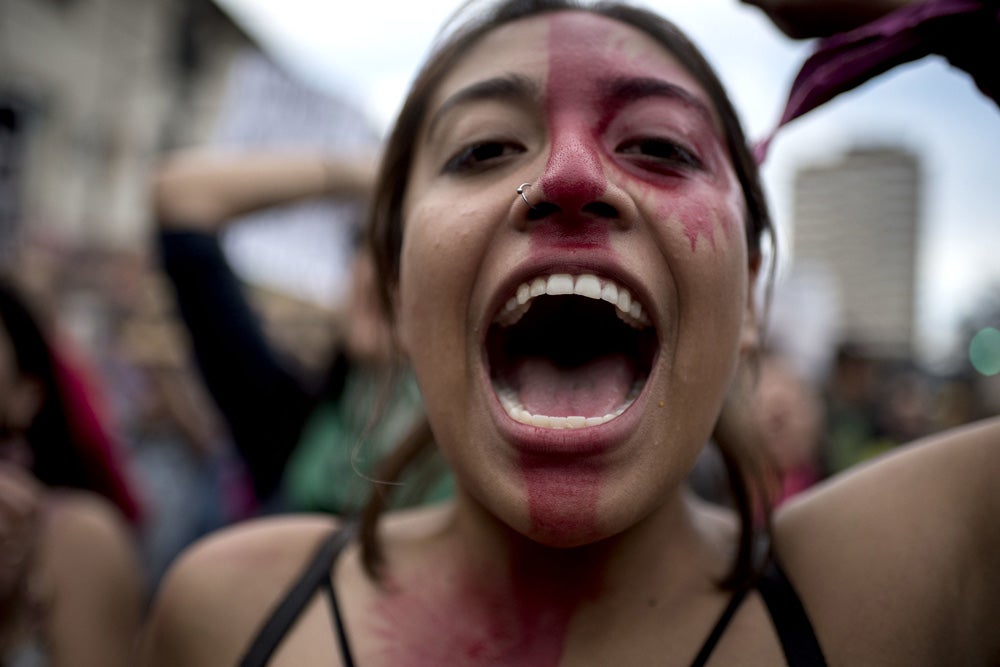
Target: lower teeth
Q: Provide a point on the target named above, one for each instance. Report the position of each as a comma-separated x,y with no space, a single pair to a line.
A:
512,406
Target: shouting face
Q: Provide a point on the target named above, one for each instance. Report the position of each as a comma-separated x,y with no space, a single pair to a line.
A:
573,349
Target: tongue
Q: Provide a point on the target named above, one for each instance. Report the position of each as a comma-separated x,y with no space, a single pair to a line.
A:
591,389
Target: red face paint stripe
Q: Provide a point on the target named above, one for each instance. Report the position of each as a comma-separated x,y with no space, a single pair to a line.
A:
573,177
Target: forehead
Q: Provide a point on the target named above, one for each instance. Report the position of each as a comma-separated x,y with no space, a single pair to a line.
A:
572,44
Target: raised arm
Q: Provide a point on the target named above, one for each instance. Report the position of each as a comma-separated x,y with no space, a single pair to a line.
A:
205,190
260,392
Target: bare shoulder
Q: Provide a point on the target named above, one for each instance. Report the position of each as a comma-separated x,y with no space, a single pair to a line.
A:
90,566
86,534
85,518
218,592
892,559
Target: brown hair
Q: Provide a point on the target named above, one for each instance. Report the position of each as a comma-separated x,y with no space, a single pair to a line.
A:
745,472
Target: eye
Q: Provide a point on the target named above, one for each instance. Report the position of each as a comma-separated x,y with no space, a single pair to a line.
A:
661,153
480,155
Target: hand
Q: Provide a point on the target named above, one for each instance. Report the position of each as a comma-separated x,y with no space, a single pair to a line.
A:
802,19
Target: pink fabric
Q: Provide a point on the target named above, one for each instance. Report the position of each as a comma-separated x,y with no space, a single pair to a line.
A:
966,32
795,481
87,416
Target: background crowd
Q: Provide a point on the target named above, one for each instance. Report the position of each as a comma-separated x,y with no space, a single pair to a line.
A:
172,452
116,313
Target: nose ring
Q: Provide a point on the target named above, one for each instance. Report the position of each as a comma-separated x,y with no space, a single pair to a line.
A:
520,191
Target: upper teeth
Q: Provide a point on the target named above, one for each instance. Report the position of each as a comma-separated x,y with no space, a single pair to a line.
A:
585,284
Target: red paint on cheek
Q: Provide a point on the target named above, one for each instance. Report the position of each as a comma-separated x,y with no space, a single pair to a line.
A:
696,219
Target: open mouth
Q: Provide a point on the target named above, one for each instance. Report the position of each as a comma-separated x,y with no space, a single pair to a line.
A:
570,351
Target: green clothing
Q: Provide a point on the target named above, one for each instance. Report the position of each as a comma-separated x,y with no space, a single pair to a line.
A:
341,445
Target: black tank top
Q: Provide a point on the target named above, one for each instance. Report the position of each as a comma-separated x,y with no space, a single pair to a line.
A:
795,632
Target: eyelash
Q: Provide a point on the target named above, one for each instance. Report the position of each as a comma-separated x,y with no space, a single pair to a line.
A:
472,158
662,152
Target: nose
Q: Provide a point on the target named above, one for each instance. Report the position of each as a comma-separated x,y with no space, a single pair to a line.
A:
574,182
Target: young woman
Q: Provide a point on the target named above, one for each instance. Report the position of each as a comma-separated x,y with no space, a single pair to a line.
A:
71,587
568,224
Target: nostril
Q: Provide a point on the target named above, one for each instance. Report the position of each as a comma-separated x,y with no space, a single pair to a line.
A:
542,210
601,209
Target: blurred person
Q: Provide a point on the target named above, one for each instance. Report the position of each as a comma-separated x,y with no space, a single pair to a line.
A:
546,159
956,401
71,590
851,398
906,408
192,479
73,440
791,422
308,444
788,424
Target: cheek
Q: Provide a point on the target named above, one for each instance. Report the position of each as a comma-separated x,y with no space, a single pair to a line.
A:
437,267
708,219
701,235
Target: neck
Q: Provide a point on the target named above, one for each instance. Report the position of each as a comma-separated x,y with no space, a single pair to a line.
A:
680,545
491,596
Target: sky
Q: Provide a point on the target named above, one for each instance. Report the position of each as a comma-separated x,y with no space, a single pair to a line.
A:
370,50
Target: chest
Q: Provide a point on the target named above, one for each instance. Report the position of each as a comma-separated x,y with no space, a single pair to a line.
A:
419,634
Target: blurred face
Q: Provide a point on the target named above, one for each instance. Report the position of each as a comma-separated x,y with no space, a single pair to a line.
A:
789,414
19,401
574,354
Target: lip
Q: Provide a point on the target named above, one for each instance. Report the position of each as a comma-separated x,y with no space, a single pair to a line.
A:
554,443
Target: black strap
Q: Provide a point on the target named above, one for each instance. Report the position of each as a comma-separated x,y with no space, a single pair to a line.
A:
347,658
788,616
795,632
316,575
720,626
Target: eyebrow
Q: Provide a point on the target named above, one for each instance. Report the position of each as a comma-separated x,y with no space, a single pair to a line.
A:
510,87
631,89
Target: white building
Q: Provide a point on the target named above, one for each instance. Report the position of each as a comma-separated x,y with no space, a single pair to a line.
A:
858,219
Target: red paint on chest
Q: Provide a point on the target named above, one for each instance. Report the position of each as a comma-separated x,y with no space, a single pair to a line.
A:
474,619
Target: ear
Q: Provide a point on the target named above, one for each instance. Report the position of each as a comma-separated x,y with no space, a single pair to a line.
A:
750,330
